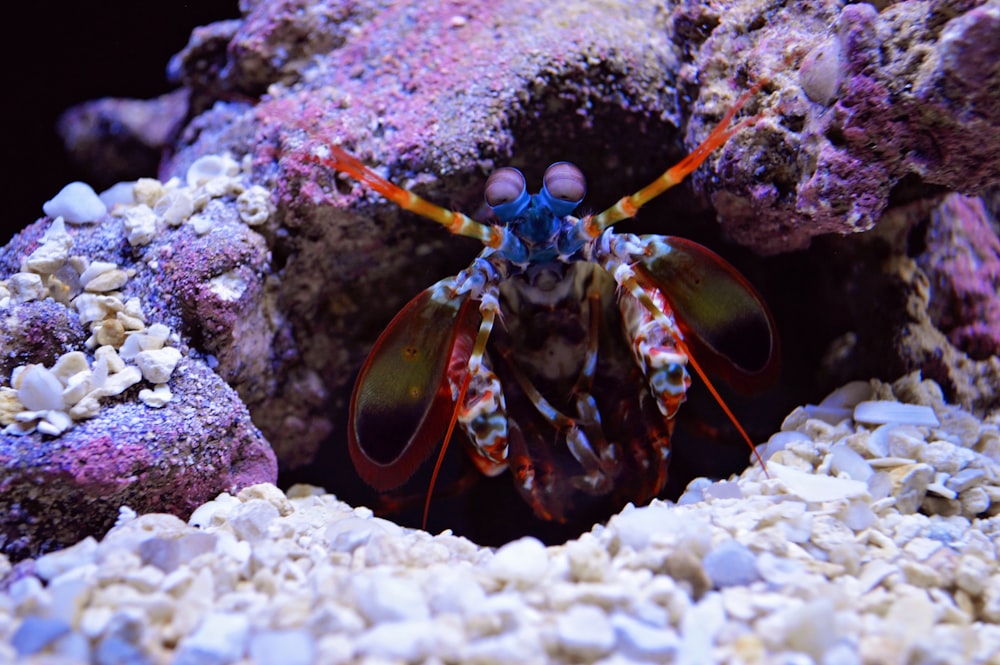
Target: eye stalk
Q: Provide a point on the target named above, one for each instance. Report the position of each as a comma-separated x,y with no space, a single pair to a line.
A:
507,193
563,187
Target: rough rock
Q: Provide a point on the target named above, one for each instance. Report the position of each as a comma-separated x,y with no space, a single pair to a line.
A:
893,98
55,491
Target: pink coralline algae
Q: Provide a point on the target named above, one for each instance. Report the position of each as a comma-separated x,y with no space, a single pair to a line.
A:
962,261
862,100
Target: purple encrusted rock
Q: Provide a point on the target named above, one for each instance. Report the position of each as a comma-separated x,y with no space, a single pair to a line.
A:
860,100
962,262
55,491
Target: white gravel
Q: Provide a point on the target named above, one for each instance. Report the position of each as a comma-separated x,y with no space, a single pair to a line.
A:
827,561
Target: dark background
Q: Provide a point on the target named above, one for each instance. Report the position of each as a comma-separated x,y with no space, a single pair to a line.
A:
61,54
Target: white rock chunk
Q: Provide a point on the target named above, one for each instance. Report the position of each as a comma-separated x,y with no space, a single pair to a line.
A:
40,389
522,561
26,286
585,632
209,167
880,412
221,638
815,488
140,225
382,598
77,203
158,364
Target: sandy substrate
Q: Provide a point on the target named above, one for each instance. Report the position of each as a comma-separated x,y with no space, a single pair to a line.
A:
870,543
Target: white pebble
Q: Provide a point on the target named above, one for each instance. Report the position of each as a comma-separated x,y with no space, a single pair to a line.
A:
77,202
174,207
699,628
642,641
121,381
381,598
158,364
289,647
584,631
413,640
523,561
54,564
40,389
140,225
883,411
25,287
731,564
249,520
815,488
210,167
221,638
118,194
156,398
254,206
846,460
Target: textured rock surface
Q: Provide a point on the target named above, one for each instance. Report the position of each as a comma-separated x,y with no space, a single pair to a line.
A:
862,101
78,446
751,570
55,491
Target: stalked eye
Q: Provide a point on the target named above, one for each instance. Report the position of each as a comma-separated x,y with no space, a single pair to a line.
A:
564,181
504,186
507,193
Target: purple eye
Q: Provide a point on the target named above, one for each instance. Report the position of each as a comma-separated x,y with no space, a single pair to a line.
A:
504,185
565,182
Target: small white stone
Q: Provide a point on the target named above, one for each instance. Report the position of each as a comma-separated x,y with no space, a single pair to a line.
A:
289,647
158,364
69,365
815,488
699,628
140,225
77,203
409,640
40,389
249,520
381,598
49,566
111,357
846,460
643,641
254,206
50,256
523,561
965,479
120,193
175,206
585,631
883,411
201,224
349,533
54,423
220,638
731,564
156,398
209,167
25,287
909,485
108,281
228,286
121,381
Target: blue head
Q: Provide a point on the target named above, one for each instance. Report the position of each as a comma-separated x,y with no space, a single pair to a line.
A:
537,220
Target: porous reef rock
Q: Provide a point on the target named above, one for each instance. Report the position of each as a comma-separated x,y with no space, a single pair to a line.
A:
107,396
860,105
